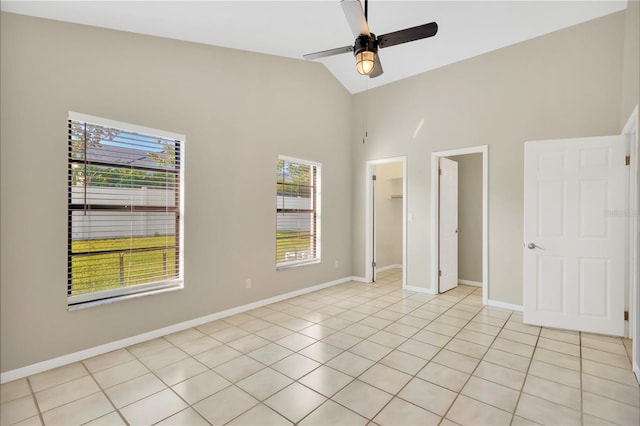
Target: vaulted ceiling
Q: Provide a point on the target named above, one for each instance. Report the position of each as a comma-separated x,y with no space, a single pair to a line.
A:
293,28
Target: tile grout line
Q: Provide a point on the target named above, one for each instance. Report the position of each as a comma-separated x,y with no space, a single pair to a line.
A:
414,376
582,391
476,367
102,389
526,377
118,410
396,395
35,401
377,362
232,383
581,384
330,398
298,380
89,374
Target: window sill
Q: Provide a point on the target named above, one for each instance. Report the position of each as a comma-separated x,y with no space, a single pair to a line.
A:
90,304
291,265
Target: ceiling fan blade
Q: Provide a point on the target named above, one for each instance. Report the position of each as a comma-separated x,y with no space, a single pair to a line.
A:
407,35
330,52
377,68
355,17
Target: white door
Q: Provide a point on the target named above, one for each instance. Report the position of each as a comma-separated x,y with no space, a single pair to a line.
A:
574,233
448,227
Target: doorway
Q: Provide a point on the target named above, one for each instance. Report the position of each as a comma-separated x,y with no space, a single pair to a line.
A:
481,227
385,222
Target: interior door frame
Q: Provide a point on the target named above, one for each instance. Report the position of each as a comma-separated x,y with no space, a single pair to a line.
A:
369,235
435,209
633,268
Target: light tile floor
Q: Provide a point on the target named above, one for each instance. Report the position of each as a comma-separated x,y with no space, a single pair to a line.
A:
352,354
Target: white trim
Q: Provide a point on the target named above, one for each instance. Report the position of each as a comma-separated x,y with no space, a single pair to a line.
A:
435,158
417,289
359,279
369,255
102,297
505,305
386,268
633,270
127,296
468,282
125,126
299,160
297,263
123,343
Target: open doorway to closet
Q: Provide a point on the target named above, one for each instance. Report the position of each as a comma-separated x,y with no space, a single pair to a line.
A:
386,201
459,219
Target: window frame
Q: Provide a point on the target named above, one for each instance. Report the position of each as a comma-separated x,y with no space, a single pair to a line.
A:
99,297
317,191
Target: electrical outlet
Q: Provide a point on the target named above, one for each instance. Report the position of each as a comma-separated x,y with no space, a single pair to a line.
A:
247,283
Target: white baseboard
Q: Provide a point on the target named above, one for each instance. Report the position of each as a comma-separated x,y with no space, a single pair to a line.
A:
468,282
419,289
359,279
636,371
504,305
386,268
123,343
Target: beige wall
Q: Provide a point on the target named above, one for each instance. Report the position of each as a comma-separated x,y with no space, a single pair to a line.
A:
565,84
469,216
238,111
388,214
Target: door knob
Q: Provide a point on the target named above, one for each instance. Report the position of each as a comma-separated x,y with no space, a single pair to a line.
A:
531,246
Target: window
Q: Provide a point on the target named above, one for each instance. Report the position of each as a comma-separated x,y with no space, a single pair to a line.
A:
297,212
125,210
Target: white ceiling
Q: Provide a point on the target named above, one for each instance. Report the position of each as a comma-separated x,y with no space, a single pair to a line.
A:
293,28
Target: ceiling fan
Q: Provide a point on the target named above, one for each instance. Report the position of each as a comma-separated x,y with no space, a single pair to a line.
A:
366,46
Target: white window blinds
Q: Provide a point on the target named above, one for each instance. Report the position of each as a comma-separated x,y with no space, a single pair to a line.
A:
297,212
125,210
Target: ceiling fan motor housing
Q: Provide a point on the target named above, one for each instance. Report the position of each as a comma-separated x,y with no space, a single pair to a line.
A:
365,42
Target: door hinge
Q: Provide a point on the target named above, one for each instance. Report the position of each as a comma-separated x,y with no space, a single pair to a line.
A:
373,177
626,315
373,264
439,273
440,171
627,160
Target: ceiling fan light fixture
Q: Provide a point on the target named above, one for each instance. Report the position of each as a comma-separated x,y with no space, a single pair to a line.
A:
365,62
366,45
